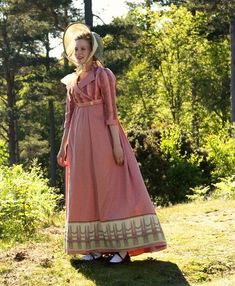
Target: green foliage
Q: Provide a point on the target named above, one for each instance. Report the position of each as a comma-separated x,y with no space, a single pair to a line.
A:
119,39
36,87
178,84
3,153
26,201
221,153
169,164
175,170
30,77
199,193
225,189
137,106
176,75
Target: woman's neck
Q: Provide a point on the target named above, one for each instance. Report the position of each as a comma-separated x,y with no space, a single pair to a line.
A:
87,67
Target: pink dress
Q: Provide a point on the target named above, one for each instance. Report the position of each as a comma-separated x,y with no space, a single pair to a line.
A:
108,208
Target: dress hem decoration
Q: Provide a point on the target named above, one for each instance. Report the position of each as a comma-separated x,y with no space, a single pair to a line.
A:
131,234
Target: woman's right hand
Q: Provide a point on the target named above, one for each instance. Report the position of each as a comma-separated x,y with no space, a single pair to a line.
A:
61,157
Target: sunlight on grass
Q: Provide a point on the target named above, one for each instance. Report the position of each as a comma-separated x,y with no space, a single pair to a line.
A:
200,251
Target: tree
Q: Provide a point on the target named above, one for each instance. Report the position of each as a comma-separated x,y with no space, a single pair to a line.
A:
88,13
221,14
176,74
25,32
224,11
20,33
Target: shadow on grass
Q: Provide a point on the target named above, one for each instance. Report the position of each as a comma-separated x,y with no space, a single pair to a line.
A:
147,272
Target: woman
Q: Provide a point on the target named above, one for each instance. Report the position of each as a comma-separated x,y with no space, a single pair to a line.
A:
108,209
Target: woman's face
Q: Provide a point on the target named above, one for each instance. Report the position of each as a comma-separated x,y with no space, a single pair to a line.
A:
82,50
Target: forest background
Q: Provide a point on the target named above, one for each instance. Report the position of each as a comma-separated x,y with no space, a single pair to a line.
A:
172,60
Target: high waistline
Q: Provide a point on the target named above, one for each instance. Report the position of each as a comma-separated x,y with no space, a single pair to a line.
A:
90,103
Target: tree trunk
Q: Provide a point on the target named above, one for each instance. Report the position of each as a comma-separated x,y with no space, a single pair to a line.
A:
12,132
88,13
148,4
232,42
52,165
52,144
9,74
195,120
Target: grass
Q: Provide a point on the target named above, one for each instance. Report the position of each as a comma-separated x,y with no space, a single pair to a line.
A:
200,251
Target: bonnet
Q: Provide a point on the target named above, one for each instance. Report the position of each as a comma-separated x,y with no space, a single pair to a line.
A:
70,34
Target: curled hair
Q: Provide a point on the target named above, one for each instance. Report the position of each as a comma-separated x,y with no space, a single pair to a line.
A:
85,36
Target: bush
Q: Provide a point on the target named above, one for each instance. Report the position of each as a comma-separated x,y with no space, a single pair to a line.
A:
170,166
3,153
221,153
26,201
152,165
199,193
225,189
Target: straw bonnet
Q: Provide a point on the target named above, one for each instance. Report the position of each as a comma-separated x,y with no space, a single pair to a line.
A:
75,30
70,34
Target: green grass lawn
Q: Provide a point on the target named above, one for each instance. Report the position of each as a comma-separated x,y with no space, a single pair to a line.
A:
201,251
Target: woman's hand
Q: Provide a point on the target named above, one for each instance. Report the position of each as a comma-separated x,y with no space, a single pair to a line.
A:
117,147
61,157
118,154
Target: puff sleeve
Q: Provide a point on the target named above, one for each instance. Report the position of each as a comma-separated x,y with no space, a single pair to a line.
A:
107,85
69,108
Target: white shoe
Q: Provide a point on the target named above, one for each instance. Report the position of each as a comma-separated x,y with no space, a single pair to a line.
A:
120,257
91,256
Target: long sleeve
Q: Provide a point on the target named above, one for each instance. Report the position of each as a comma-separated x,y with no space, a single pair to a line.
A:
69,108
107,84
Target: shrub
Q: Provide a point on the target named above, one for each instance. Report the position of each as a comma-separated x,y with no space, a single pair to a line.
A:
3,153
152,165
199,193
221,153
26,201
169,164
225,189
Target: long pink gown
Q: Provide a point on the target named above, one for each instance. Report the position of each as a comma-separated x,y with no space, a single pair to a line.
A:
108,208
